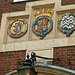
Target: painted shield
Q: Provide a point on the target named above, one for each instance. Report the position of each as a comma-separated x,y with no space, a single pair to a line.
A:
42,26
17,28
66,24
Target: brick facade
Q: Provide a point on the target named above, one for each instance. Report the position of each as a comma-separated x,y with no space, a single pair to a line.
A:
7,6
64,53
68,2
9,61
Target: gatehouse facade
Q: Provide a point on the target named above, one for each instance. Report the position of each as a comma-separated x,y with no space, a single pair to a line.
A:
45,27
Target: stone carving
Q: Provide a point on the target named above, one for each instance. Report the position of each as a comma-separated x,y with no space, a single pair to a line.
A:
66,24
43,23
17,28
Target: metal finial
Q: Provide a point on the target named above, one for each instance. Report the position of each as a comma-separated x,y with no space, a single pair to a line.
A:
27,56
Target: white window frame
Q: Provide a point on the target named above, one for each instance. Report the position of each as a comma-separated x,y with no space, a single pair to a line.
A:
19,0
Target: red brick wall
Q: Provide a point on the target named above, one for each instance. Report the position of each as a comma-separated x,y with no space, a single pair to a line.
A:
68,2
9,61
62,53
6,6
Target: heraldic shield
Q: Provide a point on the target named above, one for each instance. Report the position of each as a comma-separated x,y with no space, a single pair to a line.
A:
66,24
17,28
42,25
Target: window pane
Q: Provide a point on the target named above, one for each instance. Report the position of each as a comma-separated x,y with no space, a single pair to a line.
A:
18,0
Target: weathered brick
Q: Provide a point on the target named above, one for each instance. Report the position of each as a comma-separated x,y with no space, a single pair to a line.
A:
9,61
8,7
67,2
65,53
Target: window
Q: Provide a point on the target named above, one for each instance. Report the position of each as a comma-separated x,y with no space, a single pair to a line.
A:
19,0
23,0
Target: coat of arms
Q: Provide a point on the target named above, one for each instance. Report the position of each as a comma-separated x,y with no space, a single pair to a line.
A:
17,28
66,24
43,23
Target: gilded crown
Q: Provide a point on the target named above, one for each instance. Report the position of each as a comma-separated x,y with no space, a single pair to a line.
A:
46,11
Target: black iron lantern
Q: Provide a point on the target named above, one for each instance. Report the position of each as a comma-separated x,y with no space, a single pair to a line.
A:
28,68
29,63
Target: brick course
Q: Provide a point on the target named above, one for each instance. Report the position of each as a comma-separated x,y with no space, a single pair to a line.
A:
64,53
9,61
68,2
6,6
